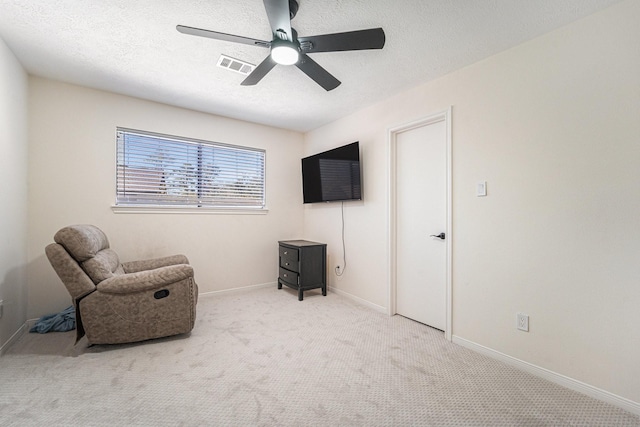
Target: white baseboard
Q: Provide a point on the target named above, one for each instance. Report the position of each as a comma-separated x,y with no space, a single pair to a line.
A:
369,304
570,383
15,337
274,284
234,290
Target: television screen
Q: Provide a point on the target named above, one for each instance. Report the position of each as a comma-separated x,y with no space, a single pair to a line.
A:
333,175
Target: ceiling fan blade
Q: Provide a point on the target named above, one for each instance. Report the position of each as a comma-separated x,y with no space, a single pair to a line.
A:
259,72
373,38
221,36
278,14
317,73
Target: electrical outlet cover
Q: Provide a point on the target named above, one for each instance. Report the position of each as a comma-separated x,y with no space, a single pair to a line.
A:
523,322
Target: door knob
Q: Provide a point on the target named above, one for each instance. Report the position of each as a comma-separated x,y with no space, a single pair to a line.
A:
439,236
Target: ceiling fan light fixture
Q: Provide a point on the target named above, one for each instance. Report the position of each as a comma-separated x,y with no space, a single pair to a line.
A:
285,53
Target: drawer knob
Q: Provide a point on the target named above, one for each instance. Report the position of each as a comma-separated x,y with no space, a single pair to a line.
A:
286,263
285,274
285,252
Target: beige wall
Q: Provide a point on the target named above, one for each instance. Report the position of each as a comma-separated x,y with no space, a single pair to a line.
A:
553,126
13,193
72,180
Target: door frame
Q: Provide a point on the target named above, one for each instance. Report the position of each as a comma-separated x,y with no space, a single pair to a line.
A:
392,215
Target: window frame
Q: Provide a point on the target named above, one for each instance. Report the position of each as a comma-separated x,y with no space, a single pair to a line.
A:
120,206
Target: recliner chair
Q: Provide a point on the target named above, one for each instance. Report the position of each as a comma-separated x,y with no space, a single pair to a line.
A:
122,302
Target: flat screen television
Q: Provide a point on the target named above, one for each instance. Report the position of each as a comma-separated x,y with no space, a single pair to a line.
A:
332,175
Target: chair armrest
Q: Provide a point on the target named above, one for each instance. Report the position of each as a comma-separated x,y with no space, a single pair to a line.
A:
151,264
145,280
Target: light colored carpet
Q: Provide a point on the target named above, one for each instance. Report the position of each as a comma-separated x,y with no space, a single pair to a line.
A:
261,357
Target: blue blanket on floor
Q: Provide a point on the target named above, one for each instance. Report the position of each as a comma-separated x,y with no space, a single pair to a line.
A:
60,322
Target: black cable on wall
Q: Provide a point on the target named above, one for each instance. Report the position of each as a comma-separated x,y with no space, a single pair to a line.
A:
344,251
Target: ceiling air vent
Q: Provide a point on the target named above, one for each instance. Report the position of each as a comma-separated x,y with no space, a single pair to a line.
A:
235,65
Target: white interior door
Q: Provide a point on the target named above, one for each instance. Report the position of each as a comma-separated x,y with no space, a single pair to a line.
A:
421,213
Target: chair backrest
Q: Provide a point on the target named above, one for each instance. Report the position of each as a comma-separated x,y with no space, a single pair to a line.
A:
72,275
82,250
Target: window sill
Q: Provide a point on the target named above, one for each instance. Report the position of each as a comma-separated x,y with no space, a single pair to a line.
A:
129,209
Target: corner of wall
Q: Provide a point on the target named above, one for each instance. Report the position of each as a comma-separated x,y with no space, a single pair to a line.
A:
13,169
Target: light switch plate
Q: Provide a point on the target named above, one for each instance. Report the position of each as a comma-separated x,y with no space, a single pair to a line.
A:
481,189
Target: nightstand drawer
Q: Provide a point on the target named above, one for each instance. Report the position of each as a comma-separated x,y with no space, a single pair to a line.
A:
288,255
289,264
288,276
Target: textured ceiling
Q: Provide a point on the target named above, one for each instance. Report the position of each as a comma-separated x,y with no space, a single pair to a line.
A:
133,48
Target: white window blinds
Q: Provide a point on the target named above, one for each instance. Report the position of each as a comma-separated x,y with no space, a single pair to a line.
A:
156,170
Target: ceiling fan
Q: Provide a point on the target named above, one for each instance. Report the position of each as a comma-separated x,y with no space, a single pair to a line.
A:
289,49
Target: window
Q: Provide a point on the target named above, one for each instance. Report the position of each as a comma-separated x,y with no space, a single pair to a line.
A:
162,170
